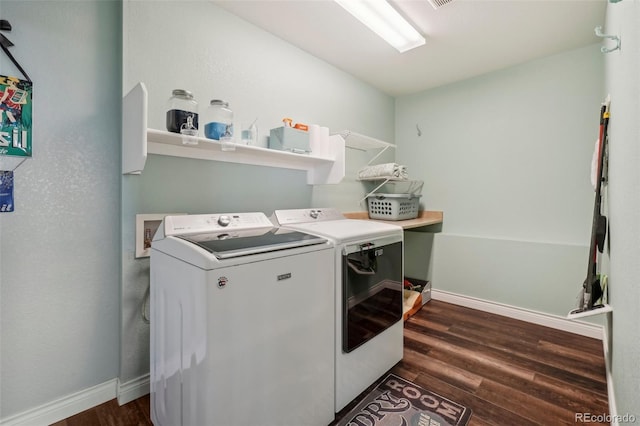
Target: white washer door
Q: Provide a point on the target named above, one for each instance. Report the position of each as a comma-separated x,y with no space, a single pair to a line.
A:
259,350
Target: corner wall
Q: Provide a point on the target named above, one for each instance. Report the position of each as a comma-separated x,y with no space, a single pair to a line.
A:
623,83
59,270
218,55
506,156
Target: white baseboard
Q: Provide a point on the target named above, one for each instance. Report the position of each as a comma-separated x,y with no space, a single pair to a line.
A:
133,389
64,407
613,410
547,320
78,402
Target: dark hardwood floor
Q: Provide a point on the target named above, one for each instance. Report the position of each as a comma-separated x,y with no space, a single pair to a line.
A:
135,413
508,372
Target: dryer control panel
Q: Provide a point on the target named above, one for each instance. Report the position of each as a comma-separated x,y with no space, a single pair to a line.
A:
202,223
290,217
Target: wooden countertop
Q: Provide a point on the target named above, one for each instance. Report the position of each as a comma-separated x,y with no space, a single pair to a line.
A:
424,218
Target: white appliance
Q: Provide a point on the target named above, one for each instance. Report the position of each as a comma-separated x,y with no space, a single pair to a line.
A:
241,323
368,304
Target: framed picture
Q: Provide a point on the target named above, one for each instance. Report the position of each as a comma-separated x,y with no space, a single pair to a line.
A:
16,117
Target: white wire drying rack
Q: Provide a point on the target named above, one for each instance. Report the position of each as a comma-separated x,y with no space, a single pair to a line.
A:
415,186
361,142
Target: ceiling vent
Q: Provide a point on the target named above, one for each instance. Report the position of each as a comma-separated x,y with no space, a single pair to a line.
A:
439,3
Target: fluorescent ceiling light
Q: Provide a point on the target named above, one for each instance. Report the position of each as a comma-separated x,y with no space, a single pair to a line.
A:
385,21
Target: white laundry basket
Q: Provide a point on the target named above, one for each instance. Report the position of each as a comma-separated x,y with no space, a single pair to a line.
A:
393,206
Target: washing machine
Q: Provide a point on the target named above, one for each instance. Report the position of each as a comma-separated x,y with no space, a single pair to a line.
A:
368,303
241,323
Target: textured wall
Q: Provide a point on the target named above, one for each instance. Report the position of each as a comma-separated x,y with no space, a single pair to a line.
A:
506,156
623,83
218,55
60,264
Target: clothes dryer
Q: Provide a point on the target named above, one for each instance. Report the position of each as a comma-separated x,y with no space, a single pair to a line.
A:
369,294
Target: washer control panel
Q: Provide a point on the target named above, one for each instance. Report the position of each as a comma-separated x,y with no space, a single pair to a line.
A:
201,223
289,217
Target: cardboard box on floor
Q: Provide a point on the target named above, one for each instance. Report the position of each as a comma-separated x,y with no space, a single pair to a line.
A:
416,294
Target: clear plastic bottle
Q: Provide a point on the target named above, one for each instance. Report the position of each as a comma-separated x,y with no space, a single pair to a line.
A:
181,106
219,120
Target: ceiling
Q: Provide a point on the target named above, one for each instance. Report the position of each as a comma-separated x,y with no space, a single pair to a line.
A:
465,38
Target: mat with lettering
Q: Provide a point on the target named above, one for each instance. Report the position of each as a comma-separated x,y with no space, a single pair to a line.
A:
398,402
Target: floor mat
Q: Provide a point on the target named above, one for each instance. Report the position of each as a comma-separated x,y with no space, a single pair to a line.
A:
398,402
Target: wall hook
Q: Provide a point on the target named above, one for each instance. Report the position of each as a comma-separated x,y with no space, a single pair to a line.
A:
5,44
603,49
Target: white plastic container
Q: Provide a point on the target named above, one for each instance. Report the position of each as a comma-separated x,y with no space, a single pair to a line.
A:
393,206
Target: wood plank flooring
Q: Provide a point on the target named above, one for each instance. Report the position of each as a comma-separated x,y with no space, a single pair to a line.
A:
135,413
508,372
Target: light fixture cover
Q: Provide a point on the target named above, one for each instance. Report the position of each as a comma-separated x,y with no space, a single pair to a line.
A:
384,20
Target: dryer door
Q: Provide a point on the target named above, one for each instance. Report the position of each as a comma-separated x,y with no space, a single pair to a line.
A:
372,291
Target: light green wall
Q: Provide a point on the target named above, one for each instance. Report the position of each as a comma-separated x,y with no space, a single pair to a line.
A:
60,251
218,55
60,262
506,156
623,83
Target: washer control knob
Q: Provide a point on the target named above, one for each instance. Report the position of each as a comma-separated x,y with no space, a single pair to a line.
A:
224,220
313,214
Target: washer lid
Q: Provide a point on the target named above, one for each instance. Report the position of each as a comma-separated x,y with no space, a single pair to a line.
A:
225,245
348,229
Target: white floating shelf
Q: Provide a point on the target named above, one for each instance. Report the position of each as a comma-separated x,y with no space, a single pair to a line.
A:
591,312
166,143
362,142
138,141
